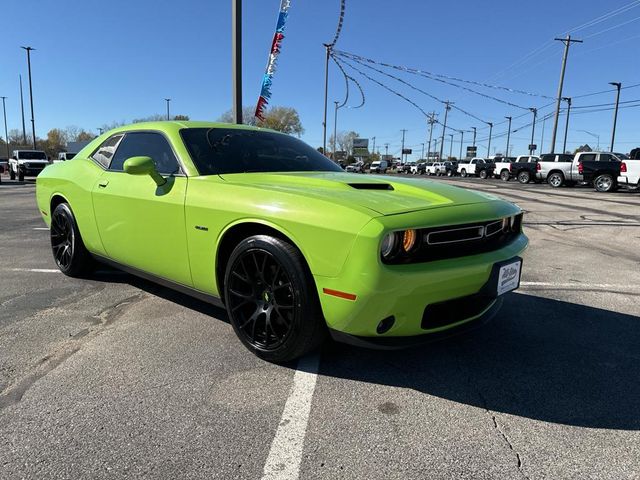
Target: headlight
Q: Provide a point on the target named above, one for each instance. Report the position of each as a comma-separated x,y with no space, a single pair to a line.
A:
388,245
409,239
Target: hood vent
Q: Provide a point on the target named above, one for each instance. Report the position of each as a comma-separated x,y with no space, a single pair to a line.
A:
371,186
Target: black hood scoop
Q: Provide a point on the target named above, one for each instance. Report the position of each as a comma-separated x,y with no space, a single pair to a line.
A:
371,186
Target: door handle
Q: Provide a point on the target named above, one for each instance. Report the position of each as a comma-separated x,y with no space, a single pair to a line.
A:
103,183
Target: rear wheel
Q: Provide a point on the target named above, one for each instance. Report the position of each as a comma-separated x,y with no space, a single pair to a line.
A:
505,175
12,174
524,177
271,300
604,183
20,176
556,179
463,173
69,252
483,174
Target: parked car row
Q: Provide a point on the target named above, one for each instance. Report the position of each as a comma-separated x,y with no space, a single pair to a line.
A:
605,171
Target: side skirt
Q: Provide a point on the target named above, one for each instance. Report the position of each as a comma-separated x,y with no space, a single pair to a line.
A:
205,297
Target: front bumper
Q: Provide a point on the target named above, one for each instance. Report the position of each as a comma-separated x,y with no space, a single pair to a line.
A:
405,291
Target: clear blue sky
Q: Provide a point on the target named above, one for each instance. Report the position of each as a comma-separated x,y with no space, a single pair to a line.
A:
98,62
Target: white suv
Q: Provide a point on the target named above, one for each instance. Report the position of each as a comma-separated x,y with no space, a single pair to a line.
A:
27,162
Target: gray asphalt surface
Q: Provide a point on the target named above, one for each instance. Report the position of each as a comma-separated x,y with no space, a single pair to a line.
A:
115,377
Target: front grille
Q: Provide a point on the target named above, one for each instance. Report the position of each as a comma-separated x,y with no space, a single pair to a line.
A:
454,241
453,311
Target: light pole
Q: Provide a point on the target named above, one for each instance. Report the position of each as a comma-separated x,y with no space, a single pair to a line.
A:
461,142
326,93
6,135
490,133
506,153
167,100
386,150
533,130
447,107
33,122
100,130
236,58
566,126
618,85
24,129
595,135
335,127
432,120
402,148
422,155
474,135
451,145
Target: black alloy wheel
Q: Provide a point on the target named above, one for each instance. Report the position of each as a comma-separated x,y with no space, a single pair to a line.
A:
524,177
505,175
270,300
69,252
483,174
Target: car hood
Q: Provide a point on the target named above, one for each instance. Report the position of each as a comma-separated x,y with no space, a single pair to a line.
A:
384,195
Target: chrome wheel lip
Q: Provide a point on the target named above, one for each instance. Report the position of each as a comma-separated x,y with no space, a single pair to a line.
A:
603,183
261,304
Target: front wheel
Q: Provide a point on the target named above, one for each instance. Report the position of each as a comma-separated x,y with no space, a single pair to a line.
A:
555,180
69,252
463,173
505,175
483,174
271,299
524,177
604,183
12,174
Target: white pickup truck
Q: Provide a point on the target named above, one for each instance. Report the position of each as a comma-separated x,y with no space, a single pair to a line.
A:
478,167
629,174
27,163
602,169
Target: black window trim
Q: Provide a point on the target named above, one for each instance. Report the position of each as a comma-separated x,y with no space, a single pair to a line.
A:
180,173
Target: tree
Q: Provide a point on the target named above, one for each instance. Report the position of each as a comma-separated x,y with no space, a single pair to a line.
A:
85,136
344,141
181,117
151,118
283,119
56,141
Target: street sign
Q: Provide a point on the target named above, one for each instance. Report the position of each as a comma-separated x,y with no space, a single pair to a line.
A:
406,151
533,146
361,147
472,151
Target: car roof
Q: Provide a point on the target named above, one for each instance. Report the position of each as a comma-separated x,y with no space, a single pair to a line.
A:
175,125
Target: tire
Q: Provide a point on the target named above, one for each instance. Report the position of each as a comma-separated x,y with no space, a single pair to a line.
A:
69,252
556,179
483,174
20,176
449,173
463,173
505,175
12,174
604,183
524,177
268,287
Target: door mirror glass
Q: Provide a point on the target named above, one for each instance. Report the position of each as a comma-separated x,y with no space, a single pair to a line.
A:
143,166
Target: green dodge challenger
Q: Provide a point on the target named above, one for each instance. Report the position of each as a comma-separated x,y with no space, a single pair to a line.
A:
293,247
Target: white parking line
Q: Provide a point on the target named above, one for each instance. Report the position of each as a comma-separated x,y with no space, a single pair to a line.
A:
36,270
41,228
607,286
285,455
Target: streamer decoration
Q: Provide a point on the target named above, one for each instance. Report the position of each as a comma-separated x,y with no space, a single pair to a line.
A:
276,44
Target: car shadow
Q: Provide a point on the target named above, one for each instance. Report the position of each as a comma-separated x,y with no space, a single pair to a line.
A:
111,275
542,359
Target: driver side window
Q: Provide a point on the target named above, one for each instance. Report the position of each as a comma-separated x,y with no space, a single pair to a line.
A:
147,144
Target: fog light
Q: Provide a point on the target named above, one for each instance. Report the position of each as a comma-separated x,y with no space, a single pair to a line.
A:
386,324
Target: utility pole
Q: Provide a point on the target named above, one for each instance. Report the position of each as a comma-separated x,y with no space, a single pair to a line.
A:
326,92
533,129
236,58
618,85
24,129
167,100
506,153
566,125
373,149
402,151
444,125
474,136
490,133
431,120
335,127
422,155
33,123
451,145
544,120
567,42
461,142
386,150
6,135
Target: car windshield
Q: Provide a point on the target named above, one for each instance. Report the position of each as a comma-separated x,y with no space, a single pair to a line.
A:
32,155
622,156
232,150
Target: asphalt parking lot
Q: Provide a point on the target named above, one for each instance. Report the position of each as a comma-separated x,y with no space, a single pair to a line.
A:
115,377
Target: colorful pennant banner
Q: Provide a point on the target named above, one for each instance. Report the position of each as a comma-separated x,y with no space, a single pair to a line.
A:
267,79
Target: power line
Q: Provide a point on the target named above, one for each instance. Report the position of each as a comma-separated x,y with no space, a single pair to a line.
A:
605,17
612,27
